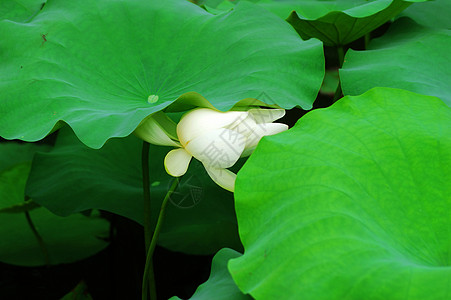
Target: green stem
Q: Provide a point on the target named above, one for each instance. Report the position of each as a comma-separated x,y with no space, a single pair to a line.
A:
338,92
146,194
148,270
341,56
39,239
146,197
367,40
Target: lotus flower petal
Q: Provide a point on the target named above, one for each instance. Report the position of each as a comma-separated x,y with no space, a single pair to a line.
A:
220,148
260,131
261,115
246,127
222,177
200,121
152,132
176,162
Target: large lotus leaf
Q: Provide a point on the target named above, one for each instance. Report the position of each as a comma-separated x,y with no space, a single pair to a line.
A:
12,186
102,66
220,285
15,162
13,154
67,239
352,203
343,21
408,56
200,218
434,14
335,22
20,10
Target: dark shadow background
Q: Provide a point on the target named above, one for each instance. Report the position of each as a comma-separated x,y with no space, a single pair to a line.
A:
114,273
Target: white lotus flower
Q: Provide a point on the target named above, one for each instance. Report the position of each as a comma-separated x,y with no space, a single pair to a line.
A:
217,139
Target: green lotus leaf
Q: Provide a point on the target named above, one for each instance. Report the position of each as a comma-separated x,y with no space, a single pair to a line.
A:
67,239
220,285
431,13
14,154
200,217
12,185
353,202
80,292
342,22
103,66
408,56
335,22
20,10
15,163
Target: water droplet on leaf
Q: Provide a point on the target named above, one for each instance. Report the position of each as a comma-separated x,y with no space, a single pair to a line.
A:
152,98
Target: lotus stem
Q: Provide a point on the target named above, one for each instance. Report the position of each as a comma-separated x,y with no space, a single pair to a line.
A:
38,238
148,276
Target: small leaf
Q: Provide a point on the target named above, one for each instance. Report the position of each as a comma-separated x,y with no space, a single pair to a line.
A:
220,285
80,292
